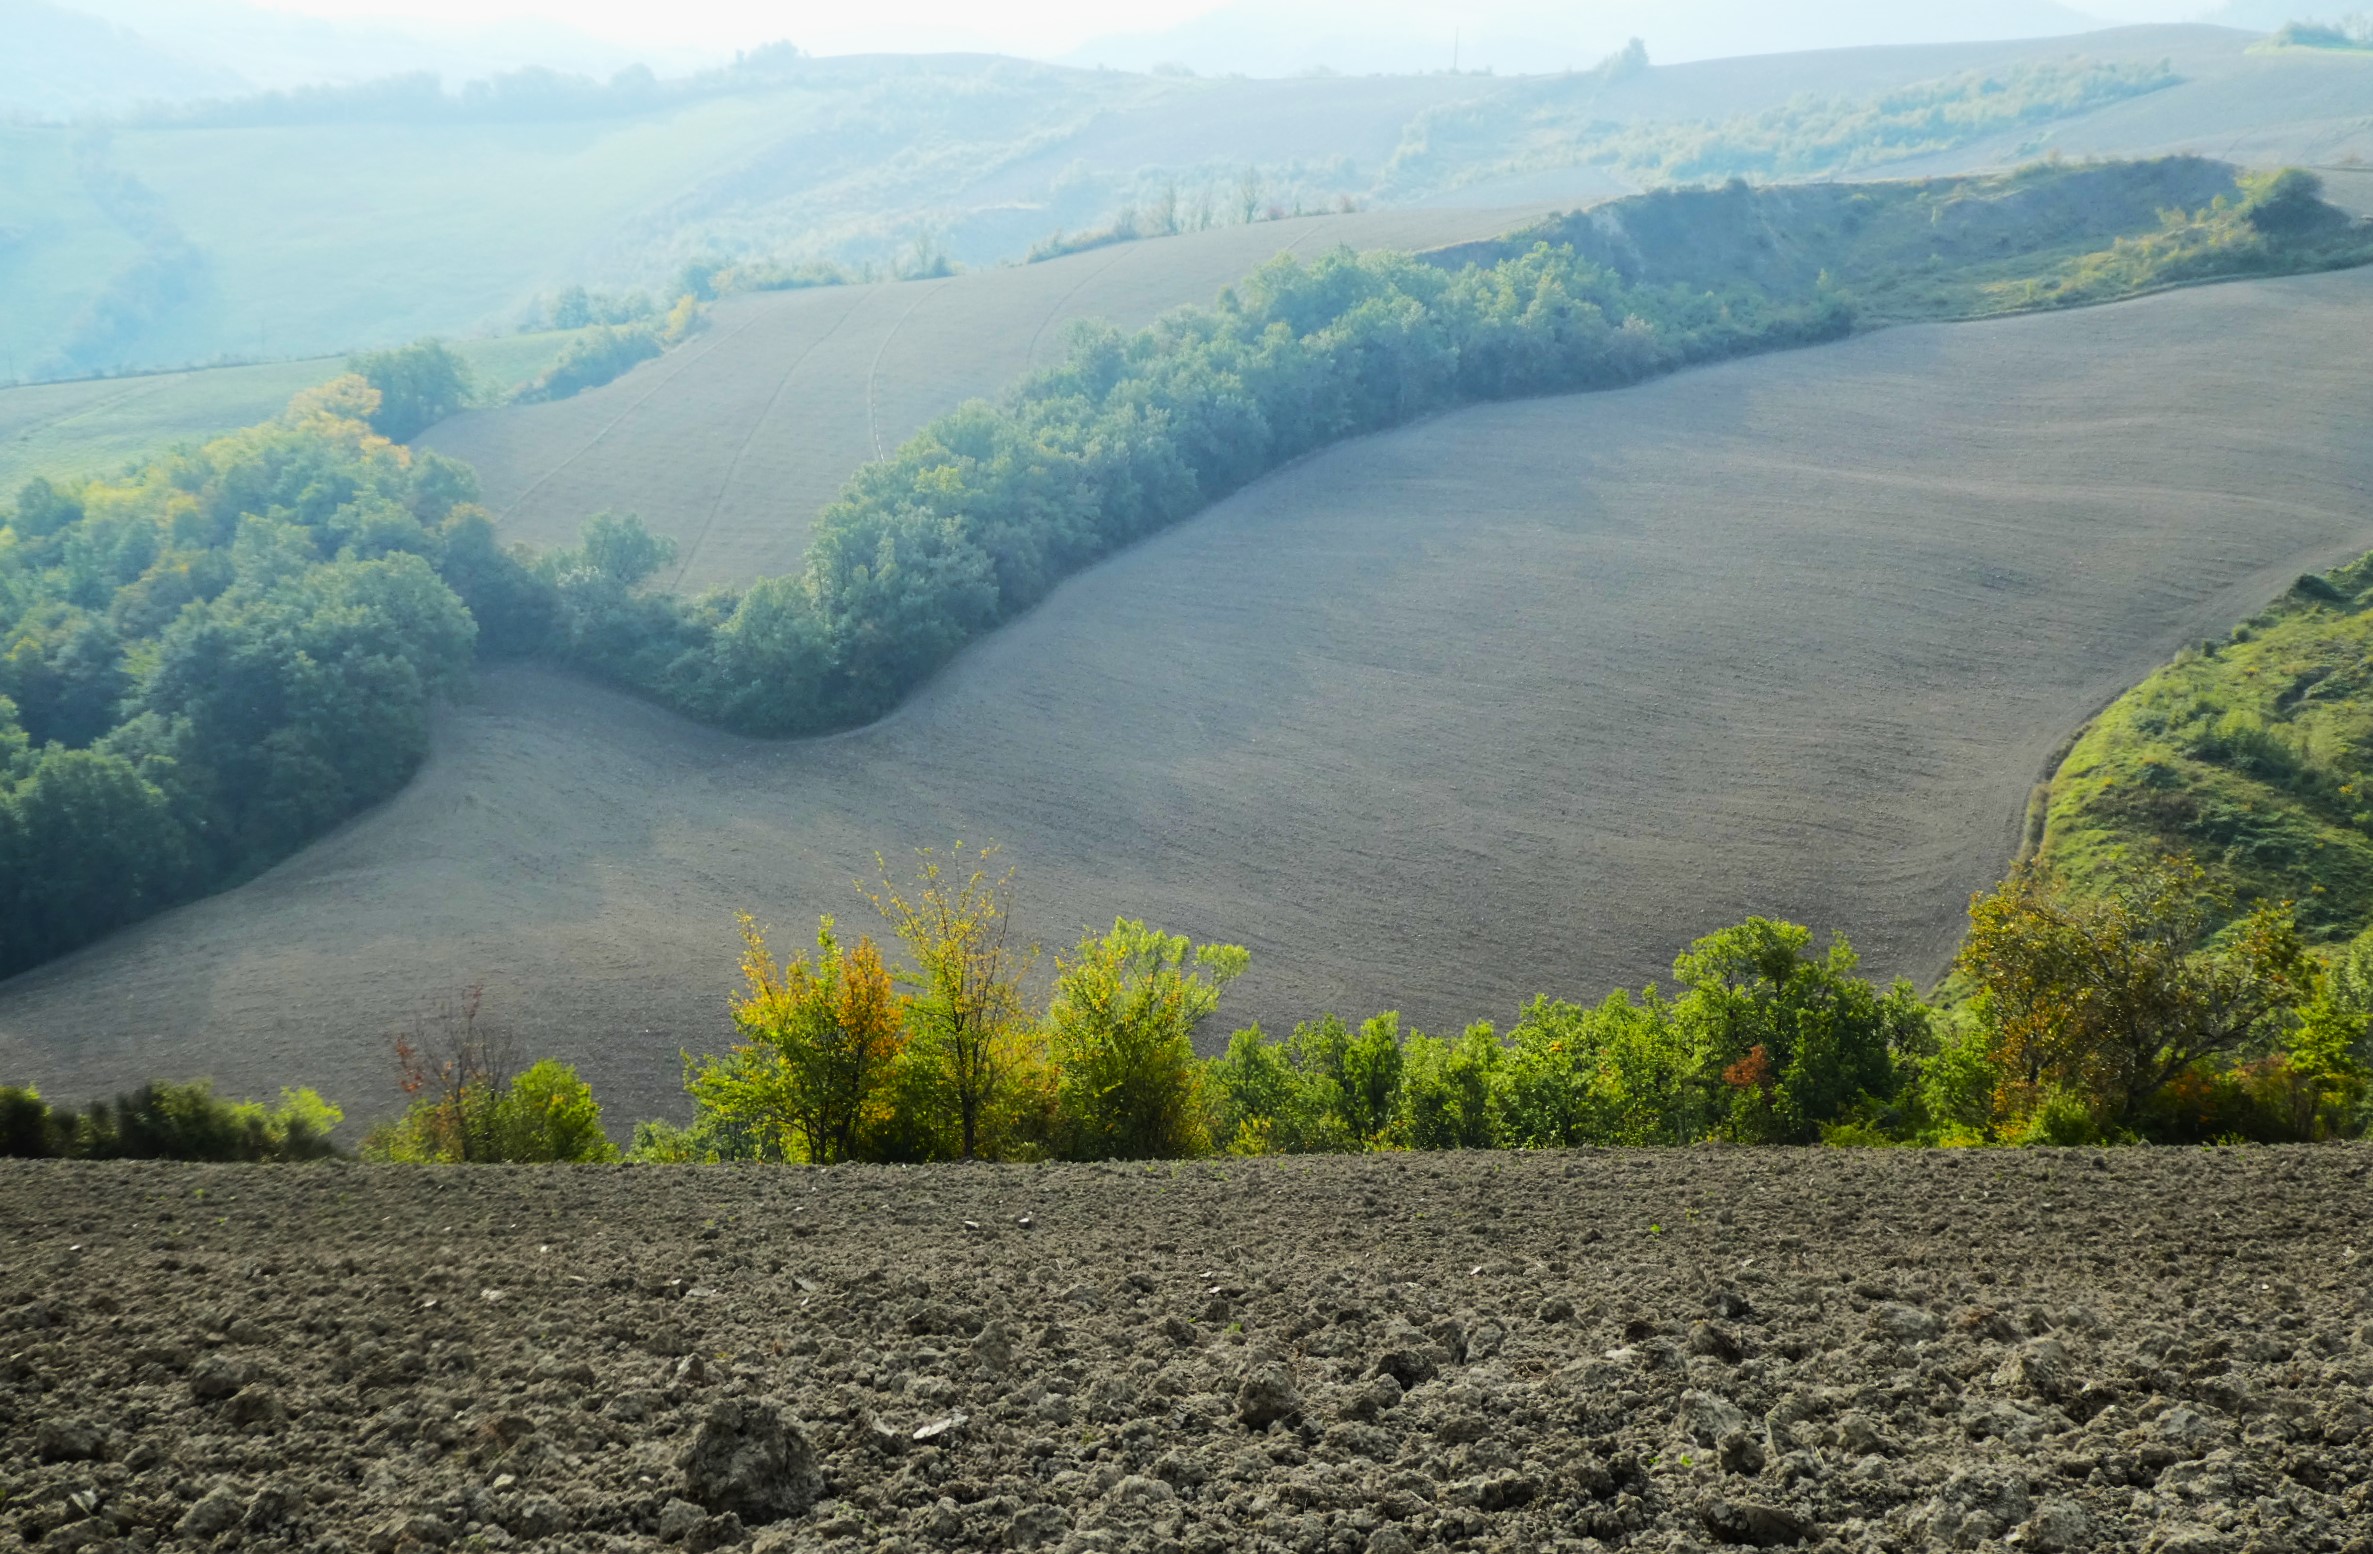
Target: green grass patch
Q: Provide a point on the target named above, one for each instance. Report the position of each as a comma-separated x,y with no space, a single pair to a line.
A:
67,431
2254,755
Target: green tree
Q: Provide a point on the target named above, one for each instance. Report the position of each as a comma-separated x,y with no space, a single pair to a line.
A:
87,844
1121,1031
64,668
966,1020
1620,1072
2287,203
1449,1091
1356,1075
1793,1038
1263,1105
418,385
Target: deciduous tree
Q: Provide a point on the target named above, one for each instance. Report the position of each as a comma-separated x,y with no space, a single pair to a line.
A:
2111,996
966,1019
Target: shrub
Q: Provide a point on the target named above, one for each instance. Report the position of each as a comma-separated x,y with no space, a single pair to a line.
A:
469,1108
594,358
549,1115
544,1115
1121,1035
29,1130
2059,1118
162,1120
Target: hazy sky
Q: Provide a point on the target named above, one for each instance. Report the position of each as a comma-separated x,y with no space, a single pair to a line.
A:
1020,26
1025,26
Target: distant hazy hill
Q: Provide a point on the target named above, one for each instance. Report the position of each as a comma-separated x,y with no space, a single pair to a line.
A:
2266,15
226,46
314,223
58,62
1356,37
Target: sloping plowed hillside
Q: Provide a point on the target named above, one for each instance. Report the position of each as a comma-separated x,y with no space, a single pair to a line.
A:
1515,700
732,444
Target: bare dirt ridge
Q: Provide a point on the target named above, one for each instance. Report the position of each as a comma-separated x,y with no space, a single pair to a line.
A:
2150,1350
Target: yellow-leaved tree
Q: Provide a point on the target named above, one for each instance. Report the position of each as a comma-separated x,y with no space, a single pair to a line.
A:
968,1024
1126,1007
811,1077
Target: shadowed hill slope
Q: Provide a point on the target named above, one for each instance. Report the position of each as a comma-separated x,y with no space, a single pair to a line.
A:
732,444
1515,700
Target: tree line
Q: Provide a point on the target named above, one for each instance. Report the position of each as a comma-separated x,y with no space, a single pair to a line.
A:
531,95
2123,1016
975,519
2120,1016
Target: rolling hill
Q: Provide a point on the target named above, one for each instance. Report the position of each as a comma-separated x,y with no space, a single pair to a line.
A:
1515,700
321,225
732,444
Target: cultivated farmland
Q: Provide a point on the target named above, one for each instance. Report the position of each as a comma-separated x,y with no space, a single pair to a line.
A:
1516,700
733,443
1848,1349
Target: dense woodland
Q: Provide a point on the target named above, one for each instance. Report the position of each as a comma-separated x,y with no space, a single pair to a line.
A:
211,661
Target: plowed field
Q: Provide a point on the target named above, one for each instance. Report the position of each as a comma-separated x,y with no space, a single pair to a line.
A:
733,444
2148,1350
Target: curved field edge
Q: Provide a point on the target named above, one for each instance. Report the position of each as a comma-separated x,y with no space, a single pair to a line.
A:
971,522
777,375
2250,752
1420,740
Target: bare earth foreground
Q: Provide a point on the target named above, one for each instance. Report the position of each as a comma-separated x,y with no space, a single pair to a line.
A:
2061,1350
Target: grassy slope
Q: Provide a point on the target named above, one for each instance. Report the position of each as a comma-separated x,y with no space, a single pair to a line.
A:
1515,700
2255,754
62,430
1911,250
